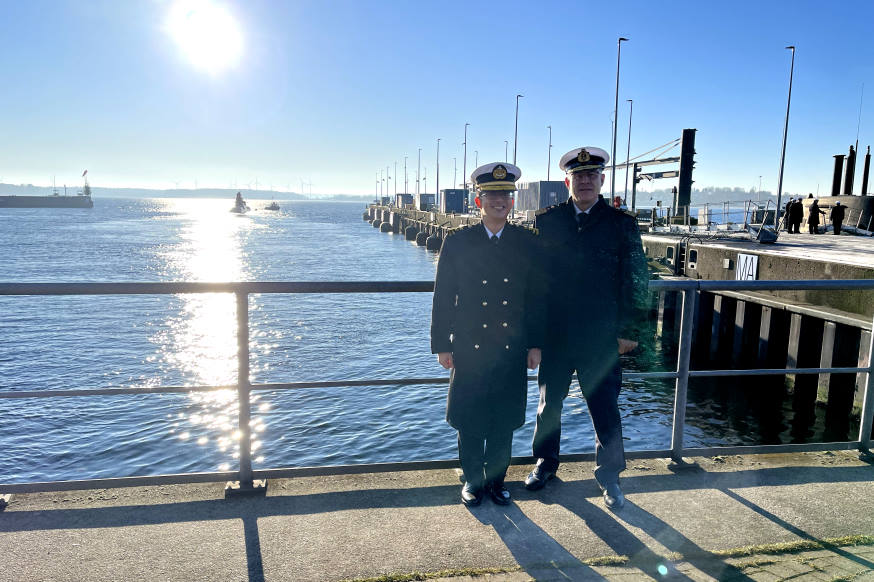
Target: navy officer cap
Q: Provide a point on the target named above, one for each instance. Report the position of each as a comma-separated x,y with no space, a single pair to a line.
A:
497,176
587,158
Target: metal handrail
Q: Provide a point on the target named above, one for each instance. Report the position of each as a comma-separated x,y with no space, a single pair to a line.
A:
246,476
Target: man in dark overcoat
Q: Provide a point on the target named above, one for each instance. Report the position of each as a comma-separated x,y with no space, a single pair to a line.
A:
487,326
813,217
598,287
797,215
837,217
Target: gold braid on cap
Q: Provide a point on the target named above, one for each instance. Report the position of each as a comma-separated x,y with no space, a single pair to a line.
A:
505,186
576,169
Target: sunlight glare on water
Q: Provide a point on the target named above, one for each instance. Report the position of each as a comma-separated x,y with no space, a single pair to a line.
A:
202,340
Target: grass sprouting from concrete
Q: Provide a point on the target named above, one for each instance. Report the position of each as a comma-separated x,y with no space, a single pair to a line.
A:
412,576
798,546
619,561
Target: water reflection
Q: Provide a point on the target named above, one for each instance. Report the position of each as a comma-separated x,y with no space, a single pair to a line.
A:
200,342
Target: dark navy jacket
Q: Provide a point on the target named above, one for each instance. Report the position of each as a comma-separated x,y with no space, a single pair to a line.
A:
597,277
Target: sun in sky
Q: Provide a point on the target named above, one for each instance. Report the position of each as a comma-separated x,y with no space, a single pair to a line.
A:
207,34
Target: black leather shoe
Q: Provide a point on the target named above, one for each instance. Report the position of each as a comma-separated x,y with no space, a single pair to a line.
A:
537,478
499,494
613,497
471,496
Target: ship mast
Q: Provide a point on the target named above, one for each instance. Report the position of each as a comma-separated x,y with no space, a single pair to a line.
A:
86,189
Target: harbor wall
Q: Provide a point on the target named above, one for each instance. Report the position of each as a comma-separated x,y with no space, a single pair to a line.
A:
719,261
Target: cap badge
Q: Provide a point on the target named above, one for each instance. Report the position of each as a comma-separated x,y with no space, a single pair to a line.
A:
499,173
583,156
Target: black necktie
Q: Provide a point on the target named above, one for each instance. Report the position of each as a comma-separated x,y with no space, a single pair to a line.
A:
495,239
582,218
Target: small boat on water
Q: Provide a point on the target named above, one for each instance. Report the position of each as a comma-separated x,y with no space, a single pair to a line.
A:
272,206
240,206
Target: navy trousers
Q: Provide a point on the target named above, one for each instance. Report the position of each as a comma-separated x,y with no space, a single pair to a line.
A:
600,381
484,460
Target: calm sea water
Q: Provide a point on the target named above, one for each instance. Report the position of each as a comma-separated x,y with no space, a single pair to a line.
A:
59,343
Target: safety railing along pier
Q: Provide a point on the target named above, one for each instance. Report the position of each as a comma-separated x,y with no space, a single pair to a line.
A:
247,478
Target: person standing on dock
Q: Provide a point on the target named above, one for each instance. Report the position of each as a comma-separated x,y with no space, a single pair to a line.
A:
837,217
487,326
797,215
598,283
787,215
813,217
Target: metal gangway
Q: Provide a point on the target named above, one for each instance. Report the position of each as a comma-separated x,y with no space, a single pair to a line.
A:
247,480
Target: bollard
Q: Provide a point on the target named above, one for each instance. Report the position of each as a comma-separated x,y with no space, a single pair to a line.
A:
433,242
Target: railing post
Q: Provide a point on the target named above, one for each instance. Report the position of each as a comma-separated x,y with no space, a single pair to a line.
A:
867,415
682,383
246,485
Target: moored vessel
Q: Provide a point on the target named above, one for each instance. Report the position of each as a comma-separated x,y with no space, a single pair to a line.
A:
80,200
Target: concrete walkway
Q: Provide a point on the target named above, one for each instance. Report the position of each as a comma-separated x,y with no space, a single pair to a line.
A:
679,526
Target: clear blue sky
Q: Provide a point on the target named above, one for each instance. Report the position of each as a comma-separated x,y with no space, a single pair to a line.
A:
330,92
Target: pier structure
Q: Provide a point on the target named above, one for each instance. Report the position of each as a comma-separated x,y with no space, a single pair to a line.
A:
777,328
800,517
427,227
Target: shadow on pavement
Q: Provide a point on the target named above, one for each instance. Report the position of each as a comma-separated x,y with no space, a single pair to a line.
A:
531,546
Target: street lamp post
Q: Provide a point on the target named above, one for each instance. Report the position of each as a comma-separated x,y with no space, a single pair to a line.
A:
454,173
406,187
785,132
437,193
615,120
464,162
628,150
387,178
506,143
476,158
516,130
549,152
418,171
381,180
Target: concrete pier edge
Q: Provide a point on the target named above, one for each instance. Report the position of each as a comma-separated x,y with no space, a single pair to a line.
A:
776,516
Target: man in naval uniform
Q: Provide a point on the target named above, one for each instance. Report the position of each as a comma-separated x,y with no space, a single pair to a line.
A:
597,286
487,326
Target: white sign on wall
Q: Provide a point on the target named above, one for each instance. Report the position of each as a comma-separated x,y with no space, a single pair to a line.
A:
747,267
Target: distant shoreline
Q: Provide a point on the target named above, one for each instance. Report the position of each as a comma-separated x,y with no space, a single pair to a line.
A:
140,193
